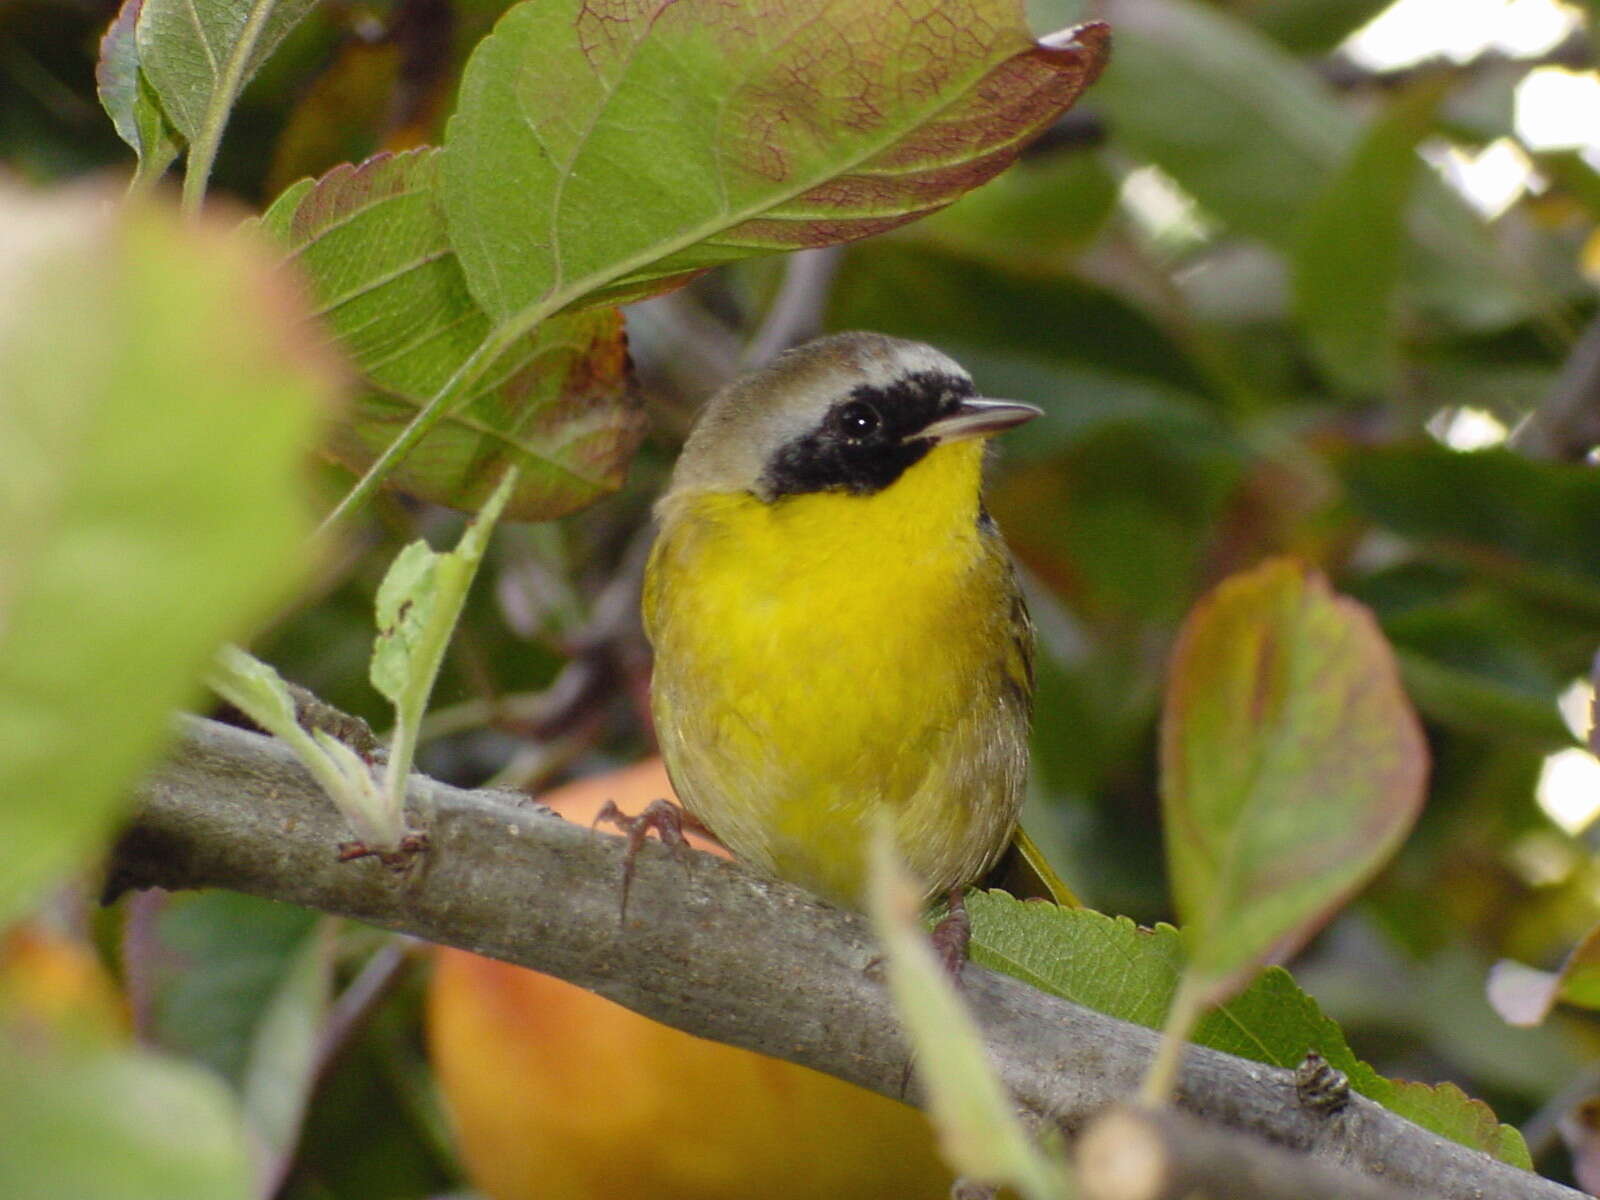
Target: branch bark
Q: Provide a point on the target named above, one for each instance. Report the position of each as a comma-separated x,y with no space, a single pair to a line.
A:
1144,1154
709,948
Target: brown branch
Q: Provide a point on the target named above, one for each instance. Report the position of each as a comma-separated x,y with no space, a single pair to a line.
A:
711,949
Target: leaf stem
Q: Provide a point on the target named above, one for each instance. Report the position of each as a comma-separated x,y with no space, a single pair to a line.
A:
203,146
1161,1079
437,408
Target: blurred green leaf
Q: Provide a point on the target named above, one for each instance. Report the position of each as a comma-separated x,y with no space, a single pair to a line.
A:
1254,135
218,959
123,571
1083,353
1476,703
979,1134
199,54
1034,217
605,156
1532,526
128,1125
128,98
372,240
1292,766
281,1069
1117,520
1311,26
1347,259
1242,125
1113,966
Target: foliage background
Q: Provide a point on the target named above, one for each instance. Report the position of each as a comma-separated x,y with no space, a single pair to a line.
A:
1255,318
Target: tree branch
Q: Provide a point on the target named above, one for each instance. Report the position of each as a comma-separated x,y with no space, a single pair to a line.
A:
711,949
1145,1154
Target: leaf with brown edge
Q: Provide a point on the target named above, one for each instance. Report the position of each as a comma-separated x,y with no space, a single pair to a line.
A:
1292,766
371,240
602,152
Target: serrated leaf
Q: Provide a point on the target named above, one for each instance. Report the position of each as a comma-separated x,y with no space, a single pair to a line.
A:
150,367
1113,966
1346,261
557,403
1292,766
199,54
600,154
128,98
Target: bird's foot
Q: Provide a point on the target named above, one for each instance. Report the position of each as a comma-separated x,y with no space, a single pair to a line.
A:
953,934
666,819
398,859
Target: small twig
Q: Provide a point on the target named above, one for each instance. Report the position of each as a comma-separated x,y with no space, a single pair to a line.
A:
1144,1154
797,310
1566,425
346,1018
142,952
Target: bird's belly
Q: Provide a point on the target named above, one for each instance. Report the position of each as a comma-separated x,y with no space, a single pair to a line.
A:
799,695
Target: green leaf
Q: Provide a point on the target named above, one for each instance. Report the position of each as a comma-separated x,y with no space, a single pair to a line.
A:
418,605
199,54
1347,259
979,1134
1113,966
130,1125
256,689
598,155
371,239
281,1069
129,100
217,959
1292,766
150,368
1531,525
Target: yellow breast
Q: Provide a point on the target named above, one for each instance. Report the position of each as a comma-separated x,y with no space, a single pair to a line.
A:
830,655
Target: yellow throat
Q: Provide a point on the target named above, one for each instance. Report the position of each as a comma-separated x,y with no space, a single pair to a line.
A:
830,655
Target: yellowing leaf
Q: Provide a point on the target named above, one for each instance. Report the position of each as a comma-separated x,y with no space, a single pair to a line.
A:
1292,765
601,153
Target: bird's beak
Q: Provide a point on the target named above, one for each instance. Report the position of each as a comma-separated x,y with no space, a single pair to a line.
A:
977,418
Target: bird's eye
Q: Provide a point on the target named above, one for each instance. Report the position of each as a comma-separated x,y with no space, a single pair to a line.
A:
858,419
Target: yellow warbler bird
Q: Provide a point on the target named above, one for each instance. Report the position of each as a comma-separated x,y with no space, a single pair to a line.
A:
837,627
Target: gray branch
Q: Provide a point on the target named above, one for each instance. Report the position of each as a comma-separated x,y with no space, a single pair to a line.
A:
711,949
1138,1154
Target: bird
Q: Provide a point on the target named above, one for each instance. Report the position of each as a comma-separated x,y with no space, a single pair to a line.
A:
839,636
